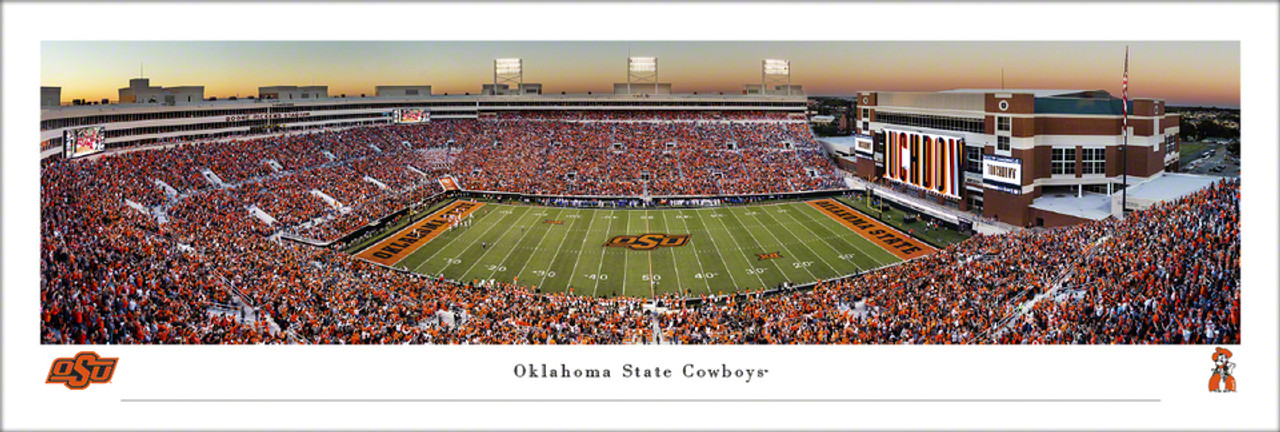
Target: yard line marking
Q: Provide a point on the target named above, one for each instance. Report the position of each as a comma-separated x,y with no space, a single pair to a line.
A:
450,243
760,247
417,234
826,239
582,249
625,259
539,246
744,258
595,288
469,246
877,254
513,248
783,245
805,244
700,265
649,255
674,262
853,247
495,245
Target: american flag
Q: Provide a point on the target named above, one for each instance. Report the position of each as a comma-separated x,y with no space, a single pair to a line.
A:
1125,89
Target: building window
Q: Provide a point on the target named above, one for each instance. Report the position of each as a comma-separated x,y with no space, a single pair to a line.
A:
1064,161
1093,160
973,159
866,114
1002,124
1002,143
961,124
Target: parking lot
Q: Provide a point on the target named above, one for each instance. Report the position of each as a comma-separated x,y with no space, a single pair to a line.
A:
1215,161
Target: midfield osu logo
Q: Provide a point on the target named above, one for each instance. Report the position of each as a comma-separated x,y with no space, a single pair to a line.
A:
79,371
647,241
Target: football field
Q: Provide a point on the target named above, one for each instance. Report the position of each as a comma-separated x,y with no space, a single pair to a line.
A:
642,253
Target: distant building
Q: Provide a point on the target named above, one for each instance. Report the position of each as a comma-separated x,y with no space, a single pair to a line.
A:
1024,157
293,92
403,91
50,96
140,90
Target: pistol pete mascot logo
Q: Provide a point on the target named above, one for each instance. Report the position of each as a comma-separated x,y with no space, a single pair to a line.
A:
1222,381
647,241
79,371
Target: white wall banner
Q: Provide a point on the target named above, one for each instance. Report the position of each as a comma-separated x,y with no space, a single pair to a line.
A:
863,146
1002,173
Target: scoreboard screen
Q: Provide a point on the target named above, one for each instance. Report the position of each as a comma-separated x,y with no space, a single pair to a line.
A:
411,115
83,142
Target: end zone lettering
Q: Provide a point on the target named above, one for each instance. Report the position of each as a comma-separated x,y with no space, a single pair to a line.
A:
890,239
396,247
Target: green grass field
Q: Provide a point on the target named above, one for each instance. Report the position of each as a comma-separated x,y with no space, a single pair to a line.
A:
893,217
1188,150
720,255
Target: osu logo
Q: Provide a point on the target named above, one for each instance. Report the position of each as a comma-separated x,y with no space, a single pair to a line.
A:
79,371
1221,381
647,241
770,255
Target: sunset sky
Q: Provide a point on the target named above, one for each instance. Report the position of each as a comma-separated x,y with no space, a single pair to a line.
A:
1183,73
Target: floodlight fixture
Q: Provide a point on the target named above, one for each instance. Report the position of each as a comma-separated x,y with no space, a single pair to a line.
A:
642,64
508,71
642,70
775,72
507,66
777,67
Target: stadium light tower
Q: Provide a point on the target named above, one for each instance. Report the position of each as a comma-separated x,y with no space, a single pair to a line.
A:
508,71
775,72
642,70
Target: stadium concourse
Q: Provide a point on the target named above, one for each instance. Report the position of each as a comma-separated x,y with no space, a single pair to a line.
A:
183,245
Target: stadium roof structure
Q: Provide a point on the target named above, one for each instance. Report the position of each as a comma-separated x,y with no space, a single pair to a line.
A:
1037,92
1089,206
1165,187
59,111
1071,105
1170,186
1064,101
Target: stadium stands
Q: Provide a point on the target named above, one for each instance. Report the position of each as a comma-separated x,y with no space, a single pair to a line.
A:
114,274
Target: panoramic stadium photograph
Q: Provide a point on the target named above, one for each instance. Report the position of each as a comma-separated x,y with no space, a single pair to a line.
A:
696,192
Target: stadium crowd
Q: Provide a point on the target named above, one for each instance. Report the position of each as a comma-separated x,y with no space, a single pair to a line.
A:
635,158
161,273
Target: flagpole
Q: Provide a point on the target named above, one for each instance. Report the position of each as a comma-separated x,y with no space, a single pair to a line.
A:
1124,146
